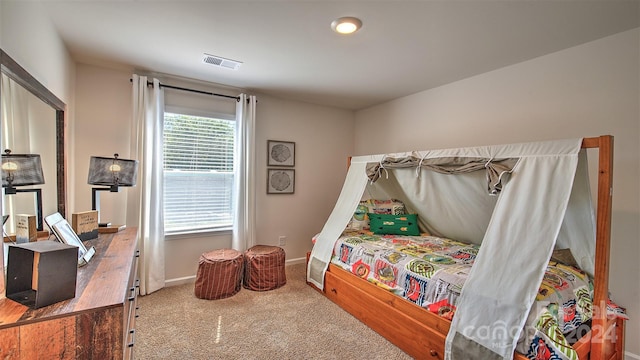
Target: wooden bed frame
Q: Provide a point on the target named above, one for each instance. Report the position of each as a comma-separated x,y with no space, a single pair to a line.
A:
422,334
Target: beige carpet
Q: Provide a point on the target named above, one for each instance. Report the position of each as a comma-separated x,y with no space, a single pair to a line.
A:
292,322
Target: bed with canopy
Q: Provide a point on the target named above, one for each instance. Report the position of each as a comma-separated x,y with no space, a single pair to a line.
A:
514,209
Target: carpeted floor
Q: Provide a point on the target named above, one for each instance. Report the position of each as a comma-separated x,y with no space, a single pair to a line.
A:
292,322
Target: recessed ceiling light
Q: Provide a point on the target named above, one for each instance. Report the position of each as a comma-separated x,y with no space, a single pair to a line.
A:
346,25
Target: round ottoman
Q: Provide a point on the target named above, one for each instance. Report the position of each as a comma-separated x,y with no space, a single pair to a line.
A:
219,274
264,268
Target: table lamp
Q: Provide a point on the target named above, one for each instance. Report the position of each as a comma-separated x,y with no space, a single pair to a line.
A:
111,173
23,170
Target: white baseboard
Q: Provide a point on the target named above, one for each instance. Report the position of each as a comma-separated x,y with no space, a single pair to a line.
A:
192,278
301,260
630,356
180,281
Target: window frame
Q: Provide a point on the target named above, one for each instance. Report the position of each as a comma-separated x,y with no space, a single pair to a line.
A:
223,230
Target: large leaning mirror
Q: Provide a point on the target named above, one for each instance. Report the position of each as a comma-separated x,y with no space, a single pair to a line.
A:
32,121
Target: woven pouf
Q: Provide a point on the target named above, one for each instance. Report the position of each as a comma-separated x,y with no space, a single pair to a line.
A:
219,274
264,268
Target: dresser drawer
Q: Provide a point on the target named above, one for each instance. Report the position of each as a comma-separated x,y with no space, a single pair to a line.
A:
131,309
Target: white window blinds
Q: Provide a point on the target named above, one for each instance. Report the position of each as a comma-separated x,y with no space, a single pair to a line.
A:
198,173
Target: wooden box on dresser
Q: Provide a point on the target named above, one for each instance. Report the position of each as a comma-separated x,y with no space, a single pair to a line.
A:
98,323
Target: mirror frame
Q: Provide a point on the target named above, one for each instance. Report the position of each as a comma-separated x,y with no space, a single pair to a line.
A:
17,73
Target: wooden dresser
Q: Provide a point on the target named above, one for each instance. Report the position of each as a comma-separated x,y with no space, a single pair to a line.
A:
97,324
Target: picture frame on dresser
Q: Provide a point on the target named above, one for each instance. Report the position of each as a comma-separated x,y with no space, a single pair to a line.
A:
65,234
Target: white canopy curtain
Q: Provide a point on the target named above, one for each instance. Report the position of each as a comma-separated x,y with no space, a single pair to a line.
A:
517,240
145,201
244,190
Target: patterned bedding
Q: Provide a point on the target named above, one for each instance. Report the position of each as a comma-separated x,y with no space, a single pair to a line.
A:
430,272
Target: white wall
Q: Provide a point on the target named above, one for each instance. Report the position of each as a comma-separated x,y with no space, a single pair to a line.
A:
588,90
323,137
102,128
26,33
29,37
324,140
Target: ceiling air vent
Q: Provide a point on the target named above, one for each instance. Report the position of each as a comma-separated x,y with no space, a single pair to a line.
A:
221,62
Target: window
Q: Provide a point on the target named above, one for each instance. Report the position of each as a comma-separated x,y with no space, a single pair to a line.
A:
198,173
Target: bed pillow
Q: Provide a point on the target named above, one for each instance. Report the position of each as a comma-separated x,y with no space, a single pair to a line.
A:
388,224
391,206
360,219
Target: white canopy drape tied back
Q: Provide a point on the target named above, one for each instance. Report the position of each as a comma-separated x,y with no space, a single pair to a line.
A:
419,168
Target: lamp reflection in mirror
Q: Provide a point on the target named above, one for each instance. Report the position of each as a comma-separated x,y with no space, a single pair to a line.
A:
23,170
111,173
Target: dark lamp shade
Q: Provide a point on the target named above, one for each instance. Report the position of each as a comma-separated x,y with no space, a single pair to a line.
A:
21,170
112,171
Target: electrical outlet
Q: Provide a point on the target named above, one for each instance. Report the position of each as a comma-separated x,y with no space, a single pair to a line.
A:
282,240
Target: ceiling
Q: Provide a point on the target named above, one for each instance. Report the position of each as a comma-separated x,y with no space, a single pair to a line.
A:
289,50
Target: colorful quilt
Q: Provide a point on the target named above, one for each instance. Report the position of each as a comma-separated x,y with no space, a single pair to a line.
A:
430,272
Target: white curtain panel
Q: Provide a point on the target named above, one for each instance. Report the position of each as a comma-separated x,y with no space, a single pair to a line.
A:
244,189
15,109
145,201
7,107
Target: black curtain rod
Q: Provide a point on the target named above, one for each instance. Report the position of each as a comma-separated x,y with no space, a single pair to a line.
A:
149,83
